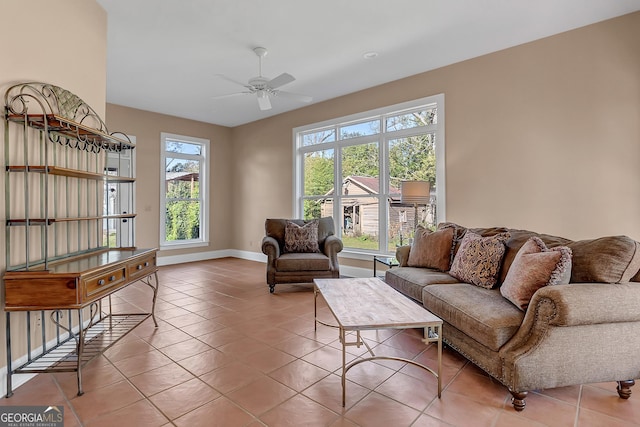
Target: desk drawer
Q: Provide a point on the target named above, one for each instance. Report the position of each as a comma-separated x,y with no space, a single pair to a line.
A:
103,283
142,267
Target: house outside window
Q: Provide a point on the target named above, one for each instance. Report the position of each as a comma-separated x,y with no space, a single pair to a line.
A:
350,168
184,209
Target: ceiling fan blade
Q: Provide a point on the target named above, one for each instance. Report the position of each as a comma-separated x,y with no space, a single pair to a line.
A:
294,96
263,101
281,80
229,79
230,95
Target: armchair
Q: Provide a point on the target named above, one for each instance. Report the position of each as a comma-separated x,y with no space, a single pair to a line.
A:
296,266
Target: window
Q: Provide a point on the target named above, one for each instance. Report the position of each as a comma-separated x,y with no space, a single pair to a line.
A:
351,168
183,209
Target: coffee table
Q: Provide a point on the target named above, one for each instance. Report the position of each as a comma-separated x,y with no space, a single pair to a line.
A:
360,304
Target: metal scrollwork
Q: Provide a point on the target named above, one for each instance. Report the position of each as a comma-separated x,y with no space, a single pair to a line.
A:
63,116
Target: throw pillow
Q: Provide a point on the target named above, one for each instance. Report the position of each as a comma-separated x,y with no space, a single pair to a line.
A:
479,259
431,249
534,267
301,238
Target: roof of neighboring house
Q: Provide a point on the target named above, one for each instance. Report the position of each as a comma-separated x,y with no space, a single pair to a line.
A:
182,176
368,183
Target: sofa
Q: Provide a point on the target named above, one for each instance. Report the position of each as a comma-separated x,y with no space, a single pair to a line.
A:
553,313
299,251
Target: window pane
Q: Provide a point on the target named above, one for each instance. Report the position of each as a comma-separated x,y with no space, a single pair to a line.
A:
182,220
319,137
318,173
428,116
411,158
371,127
361,169
183,147
360,223
400,226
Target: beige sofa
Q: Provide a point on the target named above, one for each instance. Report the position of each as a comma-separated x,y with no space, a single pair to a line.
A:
586,331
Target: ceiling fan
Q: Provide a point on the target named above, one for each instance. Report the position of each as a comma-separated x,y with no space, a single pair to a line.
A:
263,87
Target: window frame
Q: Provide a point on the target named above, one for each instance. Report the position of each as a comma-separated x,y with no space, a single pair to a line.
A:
204,161
382,139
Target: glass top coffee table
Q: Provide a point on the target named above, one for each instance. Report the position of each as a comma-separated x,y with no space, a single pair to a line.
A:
368,303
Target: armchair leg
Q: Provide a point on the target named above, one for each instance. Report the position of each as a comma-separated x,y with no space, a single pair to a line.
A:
624,388
272,288
518,400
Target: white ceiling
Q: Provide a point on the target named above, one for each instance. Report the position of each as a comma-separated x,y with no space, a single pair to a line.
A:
163,55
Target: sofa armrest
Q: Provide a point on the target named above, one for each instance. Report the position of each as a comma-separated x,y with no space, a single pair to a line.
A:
593,303
333,245
573,334
271,249
402,255
576,304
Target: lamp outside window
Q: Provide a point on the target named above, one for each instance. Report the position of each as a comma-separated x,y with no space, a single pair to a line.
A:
415,193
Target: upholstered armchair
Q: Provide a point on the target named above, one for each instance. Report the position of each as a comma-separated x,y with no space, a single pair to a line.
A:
299,251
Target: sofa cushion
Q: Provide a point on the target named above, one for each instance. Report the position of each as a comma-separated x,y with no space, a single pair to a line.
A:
612,259
302,261
479,259
535,266
411,280
431,249
482,314
301,238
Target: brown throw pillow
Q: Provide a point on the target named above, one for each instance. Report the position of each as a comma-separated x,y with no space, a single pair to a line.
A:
479,259
534,267
431,249
301,238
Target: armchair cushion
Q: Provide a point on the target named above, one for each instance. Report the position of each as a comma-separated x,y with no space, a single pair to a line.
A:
303,262
301,238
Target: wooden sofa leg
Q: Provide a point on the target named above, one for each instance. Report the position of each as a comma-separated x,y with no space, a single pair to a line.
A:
624,388
518,400
272,288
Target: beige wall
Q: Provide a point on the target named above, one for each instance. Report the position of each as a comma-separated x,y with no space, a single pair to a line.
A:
543,136
62,42
146,127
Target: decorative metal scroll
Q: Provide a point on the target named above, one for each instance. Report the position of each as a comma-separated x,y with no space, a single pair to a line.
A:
64,117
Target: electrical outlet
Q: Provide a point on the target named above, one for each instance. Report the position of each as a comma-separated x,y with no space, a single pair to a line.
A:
38,320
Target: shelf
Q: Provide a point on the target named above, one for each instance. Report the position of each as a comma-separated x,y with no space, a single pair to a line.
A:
97,338
70,129
48,221
58,171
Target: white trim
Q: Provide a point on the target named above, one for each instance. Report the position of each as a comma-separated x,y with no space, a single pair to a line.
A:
204,188
382,139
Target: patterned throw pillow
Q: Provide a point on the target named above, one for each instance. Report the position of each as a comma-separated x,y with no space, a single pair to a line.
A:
534,267
301,238
431,249
479,259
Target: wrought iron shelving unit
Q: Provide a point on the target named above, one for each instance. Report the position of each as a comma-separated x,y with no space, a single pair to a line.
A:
61,255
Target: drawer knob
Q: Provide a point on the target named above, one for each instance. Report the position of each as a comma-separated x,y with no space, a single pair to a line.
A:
146,264
139,267
100,282
112,278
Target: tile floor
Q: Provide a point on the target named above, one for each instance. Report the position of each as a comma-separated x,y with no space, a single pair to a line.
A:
228,353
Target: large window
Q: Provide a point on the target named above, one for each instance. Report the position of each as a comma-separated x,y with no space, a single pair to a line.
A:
183,187
351,168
